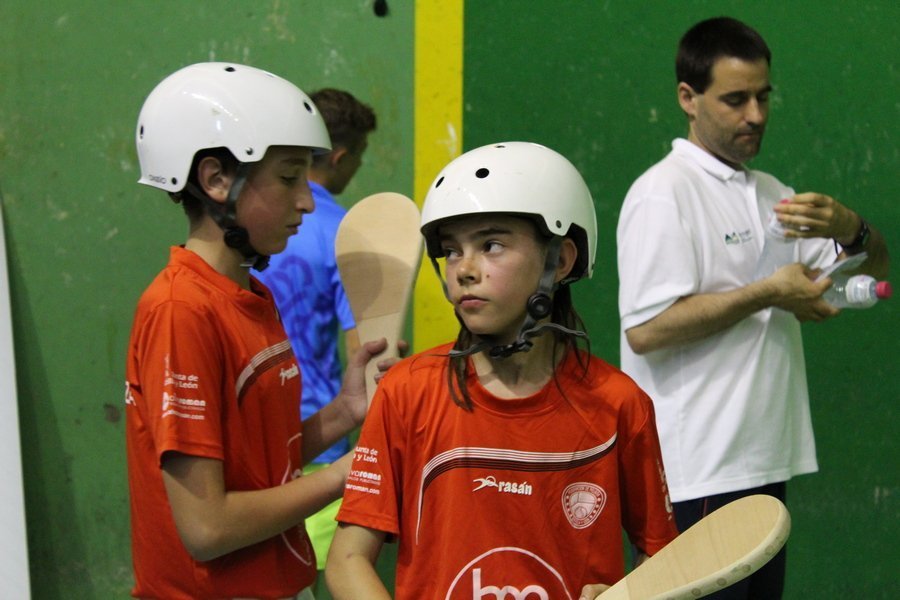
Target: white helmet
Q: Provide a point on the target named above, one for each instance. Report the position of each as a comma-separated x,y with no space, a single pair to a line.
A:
212,105
518,178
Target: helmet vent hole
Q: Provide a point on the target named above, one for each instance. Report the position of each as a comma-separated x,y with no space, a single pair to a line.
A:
249,151
174,181
482,173
439,182
230,69
309,108
559,225
142,132
499,146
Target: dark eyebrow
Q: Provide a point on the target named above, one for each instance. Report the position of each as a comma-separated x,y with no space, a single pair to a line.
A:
746,93
295,160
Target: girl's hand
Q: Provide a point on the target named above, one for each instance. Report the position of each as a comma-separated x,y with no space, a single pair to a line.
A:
591,591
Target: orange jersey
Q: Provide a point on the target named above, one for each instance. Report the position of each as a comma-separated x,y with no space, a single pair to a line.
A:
211,373
521,498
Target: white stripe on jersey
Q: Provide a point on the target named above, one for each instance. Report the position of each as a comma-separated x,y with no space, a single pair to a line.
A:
257,360
503,454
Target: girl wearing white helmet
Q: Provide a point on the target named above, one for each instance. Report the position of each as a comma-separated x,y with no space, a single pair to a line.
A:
506,463
214,439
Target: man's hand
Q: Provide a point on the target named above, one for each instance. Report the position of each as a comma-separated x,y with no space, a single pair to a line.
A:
812,215
797,292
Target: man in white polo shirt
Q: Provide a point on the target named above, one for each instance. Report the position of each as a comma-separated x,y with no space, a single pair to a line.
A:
720,353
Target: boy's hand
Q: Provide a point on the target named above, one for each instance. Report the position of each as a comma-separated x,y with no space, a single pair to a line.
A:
353,391
387,363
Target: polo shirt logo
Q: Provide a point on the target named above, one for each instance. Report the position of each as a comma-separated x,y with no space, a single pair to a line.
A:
738,237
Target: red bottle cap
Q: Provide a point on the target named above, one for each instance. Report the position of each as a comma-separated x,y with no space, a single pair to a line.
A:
883,289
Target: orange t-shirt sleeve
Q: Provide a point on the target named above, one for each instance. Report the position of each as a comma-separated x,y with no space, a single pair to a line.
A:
647,511
182,378
371,494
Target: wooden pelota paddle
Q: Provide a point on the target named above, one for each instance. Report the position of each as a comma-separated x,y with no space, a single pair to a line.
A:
719,550
378,249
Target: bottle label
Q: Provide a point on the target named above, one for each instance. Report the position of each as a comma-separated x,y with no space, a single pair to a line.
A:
858,290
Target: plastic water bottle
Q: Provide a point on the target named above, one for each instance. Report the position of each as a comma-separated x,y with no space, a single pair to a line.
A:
778,249
856,291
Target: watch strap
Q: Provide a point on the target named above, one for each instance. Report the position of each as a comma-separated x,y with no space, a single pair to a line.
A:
861,240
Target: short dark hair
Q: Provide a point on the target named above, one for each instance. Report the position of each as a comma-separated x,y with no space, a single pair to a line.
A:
347,119
708,41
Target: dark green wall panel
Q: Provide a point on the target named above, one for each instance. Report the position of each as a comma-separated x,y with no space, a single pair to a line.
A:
595,81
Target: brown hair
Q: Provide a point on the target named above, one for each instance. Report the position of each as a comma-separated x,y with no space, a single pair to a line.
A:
347,119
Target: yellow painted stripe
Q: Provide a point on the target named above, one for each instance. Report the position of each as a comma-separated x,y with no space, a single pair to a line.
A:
438,97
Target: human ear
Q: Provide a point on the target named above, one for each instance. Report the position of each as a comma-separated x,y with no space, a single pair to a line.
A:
686,98
336,155
214,180
568,253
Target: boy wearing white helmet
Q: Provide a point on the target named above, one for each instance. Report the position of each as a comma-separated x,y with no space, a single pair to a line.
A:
214,439
507,463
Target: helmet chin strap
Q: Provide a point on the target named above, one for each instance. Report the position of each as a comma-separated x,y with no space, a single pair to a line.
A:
225,217
538,306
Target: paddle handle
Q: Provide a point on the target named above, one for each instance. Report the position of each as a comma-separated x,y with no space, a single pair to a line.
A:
388,326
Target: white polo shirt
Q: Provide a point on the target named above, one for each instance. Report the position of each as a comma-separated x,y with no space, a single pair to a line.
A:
733,409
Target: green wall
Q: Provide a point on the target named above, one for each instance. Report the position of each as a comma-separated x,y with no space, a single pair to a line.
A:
591,79
595,81
85,239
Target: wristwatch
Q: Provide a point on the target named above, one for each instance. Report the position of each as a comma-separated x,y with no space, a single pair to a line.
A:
861,240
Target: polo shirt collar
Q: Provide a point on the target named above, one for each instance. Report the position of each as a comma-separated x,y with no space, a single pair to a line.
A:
705,160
